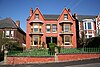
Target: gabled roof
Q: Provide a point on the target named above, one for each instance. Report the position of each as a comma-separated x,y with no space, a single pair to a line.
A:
49,17
7,23
81,17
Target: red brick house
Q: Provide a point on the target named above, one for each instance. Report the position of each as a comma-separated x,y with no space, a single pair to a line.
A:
59,29
12,30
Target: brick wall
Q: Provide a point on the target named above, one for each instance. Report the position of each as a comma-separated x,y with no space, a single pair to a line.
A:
61,57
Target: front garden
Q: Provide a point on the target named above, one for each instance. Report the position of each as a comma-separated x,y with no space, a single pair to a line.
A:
45,52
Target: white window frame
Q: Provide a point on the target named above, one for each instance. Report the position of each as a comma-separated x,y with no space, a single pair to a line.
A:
48,27
7,32
36,16
65,16
54,28
88,21
12,33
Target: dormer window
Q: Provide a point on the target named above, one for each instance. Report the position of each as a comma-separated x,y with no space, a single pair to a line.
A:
36,16
65,16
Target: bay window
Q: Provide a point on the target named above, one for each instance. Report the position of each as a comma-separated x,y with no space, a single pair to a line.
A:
67,39
36,28
36,40
89,26
66,28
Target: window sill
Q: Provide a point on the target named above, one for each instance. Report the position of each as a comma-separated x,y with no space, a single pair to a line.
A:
54,32
48,32
66,45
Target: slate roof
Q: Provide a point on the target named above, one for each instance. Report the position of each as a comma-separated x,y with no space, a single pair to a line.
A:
55,17
49,17
81,17
7,23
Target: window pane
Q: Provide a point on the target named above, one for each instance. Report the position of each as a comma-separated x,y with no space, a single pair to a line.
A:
35,40
85,25
90,36
36,16
67,39
54,28
89,25
66,28
65,16
7,32
48,27
12,33
35,28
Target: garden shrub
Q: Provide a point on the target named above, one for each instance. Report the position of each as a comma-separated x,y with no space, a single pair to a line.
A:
59,48
93,42
52,48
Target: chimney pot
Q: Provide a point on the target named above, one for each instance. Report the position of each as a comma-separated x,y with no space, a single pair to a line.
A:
69,10
31,11
18,23
75,15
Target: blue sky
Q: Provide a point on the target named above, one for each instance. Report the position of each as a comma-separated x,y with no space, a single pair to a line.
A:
19,9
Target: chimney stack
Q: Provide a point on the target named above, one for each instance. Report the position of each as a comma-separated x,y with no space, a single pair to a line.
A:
75,16
31,11
69,11
18,23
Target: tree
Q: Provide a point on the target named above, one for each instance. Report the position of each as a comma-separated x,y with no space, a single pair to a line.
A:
82,40
3,41
9,44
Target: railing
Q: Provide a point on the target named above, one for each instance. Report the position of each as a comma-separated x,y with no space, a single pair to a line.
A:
33,52
80,50
45,52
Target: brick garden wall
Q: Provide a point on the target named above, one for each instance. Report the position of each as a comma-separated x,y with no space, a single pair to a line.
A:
61,57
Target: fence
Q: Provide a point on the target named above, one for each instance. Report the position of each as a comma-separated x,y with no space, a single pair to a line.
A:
45,52
80,50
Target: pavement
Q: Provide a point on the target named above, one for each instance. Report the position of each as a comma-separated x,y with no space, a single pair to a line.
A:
80,63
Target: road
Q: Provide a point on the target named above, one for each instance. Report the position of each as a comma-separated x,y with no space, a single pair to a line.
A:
83,63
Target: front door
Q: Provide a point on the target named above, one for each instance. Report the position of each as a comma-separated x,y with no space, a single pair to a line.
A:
51,40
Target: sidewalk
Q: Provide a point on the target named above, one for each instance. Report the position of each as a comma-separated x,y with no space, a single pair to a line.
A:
56,64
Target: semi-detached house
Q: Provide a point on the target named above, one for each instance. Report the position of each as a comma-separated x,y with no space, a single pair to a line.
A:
48,28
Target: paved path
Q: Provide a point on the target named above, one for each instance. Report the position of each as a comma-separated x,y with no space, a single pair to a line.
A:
83,63
86,65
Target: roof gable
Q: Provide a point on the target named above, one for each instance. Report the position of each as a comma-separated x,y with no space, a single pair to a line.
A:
37,11
65,11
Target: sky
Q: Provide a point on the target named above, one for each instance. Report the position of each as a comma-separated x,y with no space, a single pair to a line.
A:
19,9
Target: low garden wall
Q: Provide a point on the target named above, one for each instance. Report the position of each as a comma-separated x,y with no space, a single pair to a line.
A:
46,59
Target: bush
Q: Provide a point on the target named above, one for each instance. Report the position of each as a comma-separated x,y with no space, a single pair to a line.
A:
59,48
52,48
1,56
14,46
93,42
